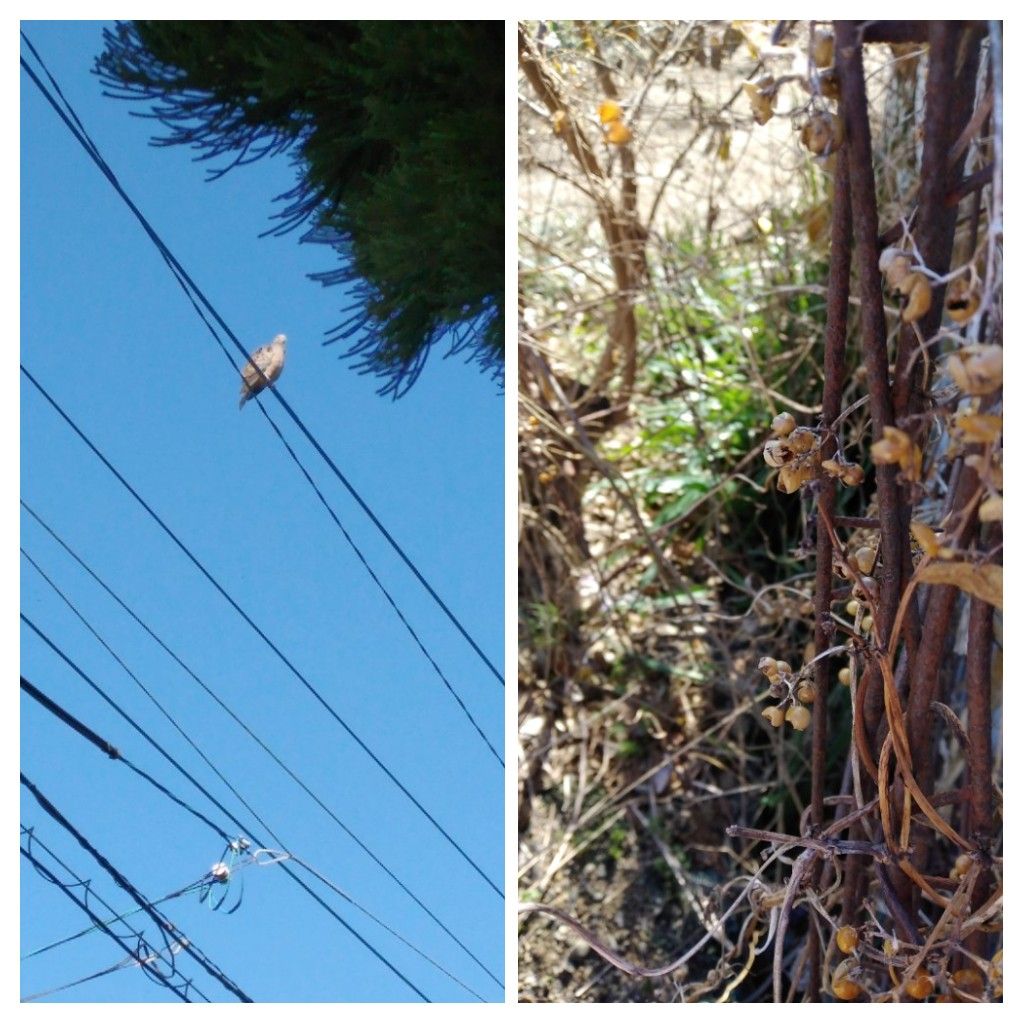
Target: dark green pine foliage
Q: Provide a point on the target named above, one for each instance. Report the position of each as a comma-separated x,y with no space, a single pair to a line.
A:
397,131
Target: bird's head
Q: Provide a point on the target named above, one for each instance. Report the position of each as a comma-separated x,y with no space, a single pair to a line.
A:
280,339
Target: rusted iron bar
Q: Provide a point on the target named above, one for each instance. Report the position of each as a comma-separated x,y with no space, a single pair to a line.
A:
853,106
837,305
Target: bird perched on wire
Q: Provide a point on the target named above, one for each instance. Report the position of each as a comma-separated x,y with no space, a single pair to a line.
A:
270,360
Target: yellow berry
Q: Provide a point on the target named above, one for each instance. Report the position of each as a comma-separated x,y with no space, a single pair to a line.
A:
852,607
866,623
847,938
774,715
845,676
805,693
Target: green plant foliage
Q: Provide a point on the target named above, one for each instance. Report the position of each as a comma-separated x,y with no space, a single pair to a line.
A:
398,130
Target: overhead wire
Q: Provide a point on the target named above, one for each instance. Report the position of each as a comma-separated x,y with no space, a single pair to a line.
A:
120,965
270,753
263,636
147,965
107,747
111,751
73,124
117,918
183,279
164,927
467,714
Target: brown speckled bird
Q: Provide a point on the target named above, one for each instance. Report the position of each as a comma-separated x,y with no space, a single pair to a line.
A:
270,360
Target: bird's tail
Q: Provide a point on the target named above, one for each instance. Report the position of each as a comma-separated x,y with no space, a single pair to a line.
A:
245,398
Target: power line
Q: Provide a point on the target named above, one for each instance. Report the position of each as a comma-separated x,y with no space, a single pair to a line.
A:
105,746
277,760
263,636
128,961
111,751
398,611
138,682
98,924
90,148
164,927
118,918
135,725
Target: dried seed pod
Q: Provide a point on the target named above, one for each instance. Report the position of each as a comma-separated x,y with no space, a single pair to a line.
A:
852,607
792,478
832,467
847,938
805,693
961,866
920,986
864,559
895,446
991,509
852,476
977,427
802,440
559,120
968,980
823,49
976,369
775,716
829,82
783,424
823,133
919,297
784,668
799,717
866,623
768,666
777,453
845,676
894,265
846,989
962,300
762,95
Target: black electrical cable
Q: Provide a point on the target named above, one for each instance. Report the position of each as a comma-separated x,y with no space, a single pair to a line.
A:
164,927
221,833
277,760
305,682
138,682
352,544
98,923
111,751
249,831
91,149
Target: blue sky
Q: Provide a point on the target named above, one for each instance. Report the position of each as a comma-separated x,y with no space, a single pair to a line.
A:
106,330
